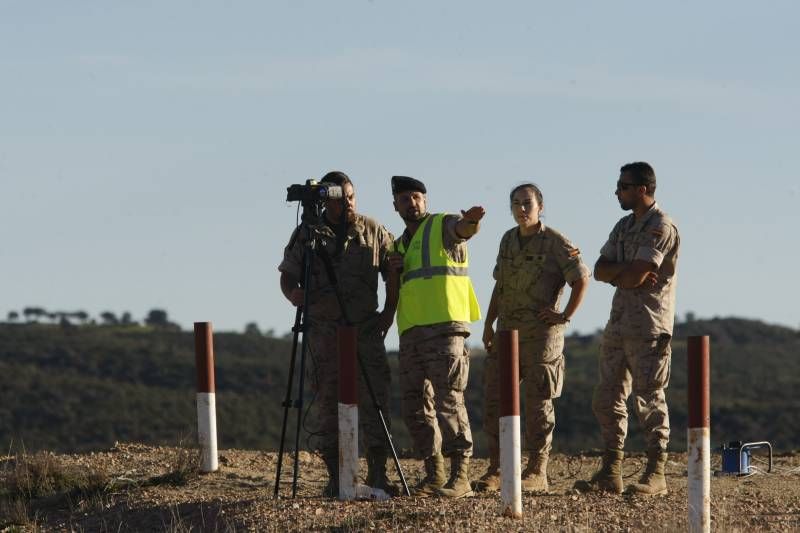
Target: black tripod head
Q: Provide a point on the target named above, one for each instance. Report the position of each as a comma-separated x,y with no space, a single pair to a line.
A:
312,196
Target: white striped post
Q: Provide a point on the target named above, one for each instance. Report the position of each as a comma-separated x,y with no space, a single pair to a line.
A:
510,448
206,396
699,435
348,413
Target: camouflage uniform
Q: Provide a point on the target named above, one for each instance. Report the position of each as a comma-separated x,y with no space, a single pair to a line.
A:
434,369
636,348
531,274
362,257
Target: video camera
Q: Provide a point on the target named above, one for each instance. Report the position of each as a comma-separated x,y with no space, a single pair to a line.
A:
312,193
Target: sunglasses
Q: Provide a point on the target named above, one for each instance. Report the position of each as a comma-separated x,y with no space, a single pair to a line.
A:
624,186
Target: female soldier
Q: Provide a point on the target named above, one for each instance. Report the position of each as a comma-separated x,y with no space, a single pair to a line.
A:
533,265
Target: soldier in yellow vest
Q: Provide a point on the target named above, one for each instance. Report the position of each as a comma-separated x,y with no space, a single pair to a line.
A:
437,302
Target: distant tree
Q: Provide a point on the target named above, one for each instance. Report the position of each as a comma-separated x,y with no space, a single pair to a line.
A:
690,317
52,317
157,318
13,316
251,328
32,314
126,319
109,318
81,316
270,333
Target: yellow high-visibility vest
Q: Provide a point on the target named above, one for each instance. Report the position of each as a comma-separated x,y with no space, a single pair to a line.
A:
433,287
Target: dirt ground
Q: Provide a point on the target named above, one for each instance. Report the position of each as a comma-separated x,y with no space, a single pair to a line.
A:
239,497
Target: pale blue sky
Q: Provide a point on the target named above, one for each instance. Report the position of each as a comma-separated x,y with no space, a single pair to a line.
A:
145,148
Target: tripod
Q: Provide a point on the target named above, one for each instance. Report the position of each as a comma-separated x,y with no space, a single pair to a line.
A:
302,325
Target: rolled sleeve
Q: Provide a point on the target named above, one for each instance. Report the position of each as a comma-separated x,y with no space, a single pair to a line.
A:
292,263
576,271
656,243
451,236
569,261
650,255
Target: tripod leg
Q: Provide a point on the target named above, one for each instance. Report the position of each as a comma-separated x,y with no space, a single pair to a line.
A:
299,404
287,399
386,432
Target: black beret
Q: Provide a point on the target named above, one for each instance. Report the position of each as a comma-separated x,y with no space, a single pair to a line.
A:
404,183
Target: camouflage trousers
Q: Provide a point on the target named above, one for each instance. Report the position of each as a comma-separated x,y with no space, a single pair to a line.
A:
433,377
323,374
641,366
541,382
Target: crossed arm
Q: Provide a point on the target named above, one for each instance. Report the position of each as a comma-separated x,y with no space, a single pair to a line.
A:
637,273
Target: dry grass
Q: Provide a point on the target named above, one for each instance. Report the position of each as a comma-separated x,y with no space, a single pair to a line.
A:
184,468
40,482
196,519
29,482
40,475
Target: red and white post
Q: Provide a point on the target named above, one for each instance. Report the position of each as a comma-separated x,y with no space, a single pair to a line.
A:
699,435
510,447
348,413
206,396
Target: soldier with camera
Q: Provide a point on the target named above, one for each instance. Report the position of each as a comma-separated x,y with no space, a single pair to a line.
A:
351,252
437,302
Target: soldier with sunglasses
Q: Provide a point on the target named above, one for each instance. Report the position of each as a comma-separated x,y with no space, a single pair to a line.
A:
639,259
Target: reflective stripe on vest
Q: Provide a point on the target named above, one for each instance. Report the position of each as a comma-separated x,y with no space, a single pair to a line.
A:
434,288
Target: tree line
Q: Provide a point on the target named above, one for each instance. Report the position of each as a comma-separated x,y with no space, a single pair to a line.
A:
154,318
82,388
36,315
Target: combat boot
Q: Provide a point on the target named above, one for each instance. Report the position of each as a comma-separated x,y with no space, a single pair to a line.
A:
608,478
490,480
434,476
652,482
458,485
534,477
376,472
331,461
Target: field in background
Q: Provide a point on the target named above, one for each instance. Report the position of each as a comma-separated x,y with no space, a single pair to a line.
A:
80,388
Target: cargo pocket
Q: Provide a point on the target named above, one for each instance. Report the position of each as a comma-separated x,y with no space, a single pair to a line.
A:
458,374
657,369
550,381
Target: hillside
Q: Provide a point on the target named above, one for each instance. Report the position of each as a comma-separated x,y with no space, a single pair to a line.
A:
80,388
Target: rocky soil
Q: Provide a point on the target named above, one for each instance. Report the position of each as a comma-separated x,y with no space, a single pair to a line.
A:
151,488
